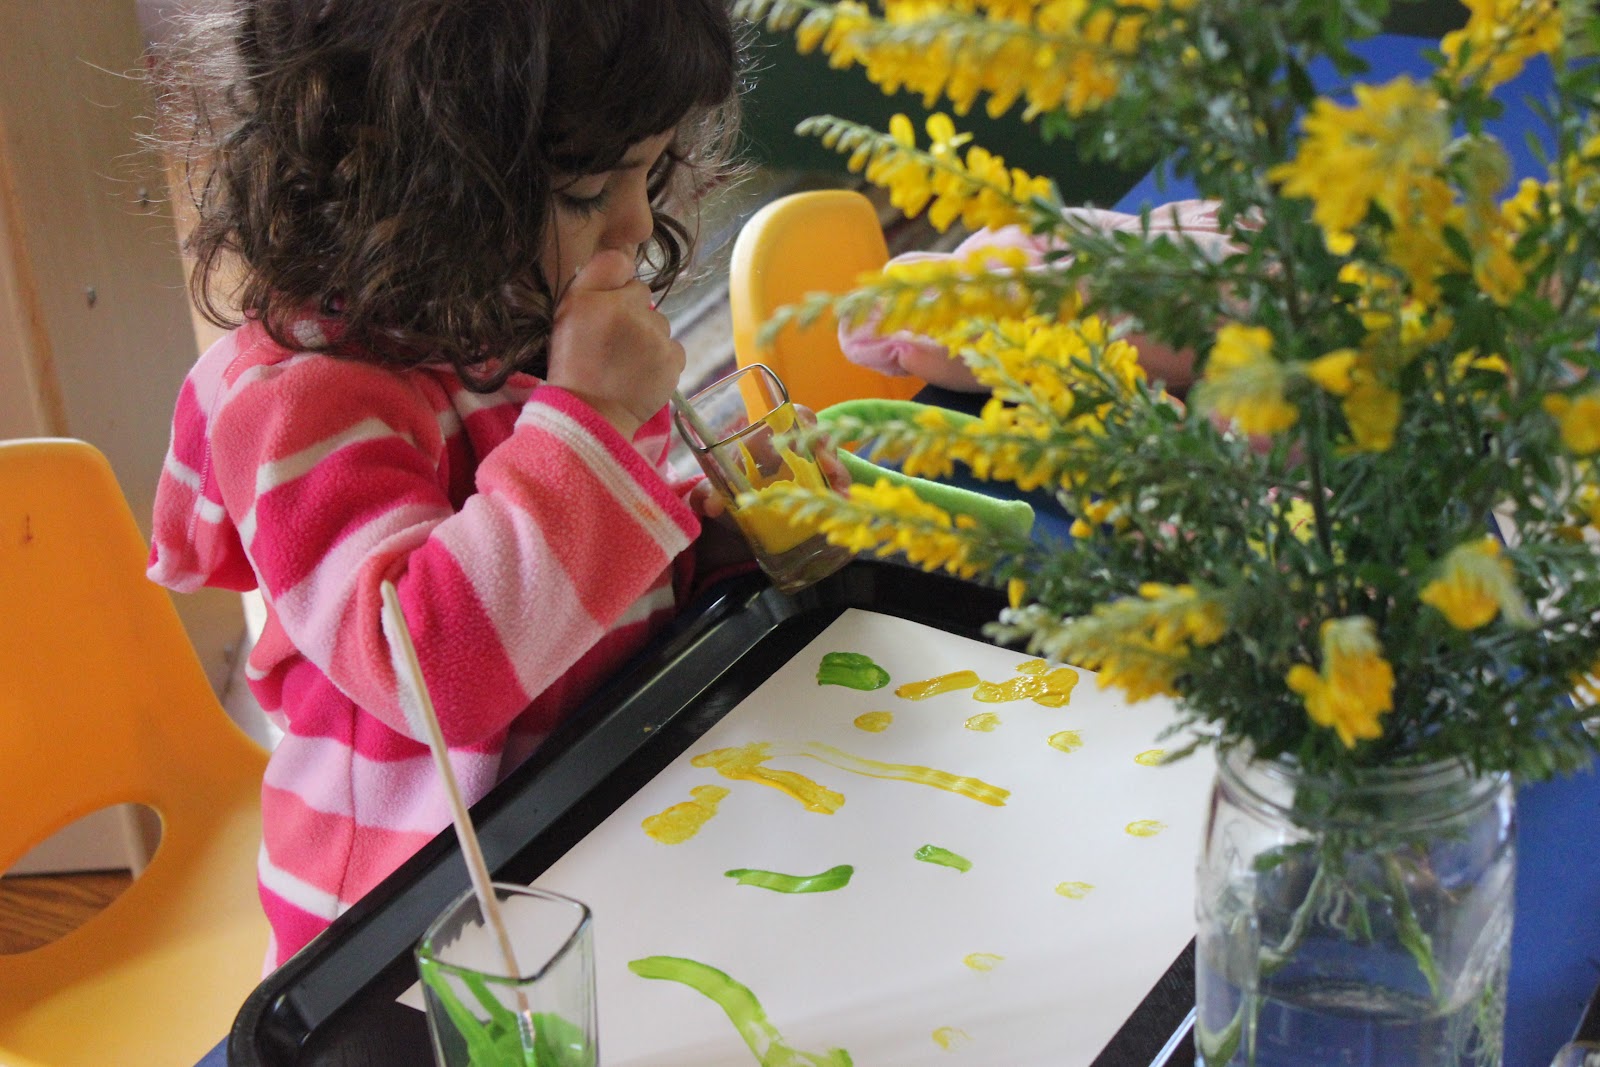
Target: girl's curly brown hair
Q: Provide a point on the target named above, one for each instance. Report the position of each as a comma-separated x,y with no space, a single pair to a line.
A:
389,163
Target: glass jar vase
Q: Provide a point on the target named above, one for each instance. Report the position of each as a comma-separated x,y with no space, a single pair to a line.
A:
1360,923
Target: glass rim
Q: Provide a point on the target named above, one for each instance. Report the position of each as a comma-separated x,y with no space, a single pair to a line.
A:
701,449
425,952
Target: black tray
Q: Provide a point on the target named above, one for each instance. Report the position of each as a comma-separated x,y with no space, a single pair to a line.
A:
334,1002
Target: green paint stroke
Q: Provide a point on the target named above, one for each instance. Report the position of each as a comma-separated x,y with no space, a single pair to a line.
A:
944,858
851,669
742,1008
503,1040
829,880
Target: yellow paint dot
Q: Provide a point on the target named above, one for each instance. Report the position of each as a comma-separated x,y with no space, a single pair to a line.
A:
1066,741
948,1037
983,722
1150,757
1073,890
1032,666
981,961
682,821
944,683
1145,827
874,722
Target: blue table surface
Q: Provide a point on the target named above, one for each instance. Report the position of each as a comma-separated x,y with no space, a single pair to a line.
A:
1555,944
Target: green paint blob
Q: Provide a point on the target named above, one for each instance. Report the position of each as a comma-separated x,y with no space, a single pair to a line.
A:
851,669
944,858
829,880
503,1039
742,1008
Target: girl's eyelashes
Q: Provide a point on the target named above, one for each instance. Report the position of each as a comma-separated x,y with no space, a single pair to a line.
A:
583,198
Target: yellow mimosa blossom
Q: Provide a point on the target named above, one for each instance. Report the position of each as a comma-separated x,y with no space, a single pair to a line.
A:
1052,54
1245,383
1475,584
1499,37
886,518
1382,150
1332,371
1587,500
978,189
1141,644
1356,684
1373,412
1579,419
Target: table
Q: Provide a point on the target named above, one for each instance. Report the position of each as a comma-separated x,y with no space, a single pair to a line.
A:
334,1003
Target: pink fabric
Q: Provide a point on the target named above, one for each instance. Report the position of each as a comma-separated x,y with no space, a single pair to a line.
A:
315,479
887,353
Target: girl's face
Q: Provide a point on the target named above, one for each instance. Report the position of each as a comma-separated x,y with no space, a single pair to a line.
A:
597,212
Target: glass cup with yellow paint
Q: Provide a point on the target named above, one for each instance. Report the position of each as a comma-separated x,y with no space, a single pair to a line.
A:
544,1014
740,429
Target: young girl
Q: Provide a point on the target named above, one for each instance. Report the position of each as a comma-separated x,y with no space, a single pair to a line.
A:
447,375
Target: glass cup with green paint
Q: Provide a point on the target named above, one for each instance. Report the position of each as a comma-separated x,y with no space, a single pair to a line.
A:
542,1016
740,429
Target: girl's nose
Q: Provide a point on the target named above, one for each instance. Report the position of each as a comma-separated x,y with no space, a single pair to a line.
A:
631,225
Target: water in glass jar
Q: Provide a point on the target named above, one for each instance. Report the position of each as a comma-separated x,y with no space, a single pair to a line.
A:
1303,1020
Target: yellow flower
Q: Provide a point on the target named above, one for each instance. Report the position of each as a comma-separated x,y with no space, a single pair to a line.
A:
1475,584
1332,371
1499,37
980,189
1384,150
1141,644
888,518
1579,419
1356,684
1243,381
1373,412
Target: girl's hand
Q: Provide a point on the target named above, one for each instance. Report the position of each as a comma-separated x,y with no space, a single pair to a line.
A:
826,454
611,347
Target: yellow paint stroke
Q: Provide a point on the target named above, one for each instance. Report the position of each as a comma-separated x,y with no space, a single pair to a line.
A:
1073,890
682,821
948,1037
1145,827
1066,741
1150,757
874,722
982,961
944,683
1032,666
1053,688
984,722
971,788
745,764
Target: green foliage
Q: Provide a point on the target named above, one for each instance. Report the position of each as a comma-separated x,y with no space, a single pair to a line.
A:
1396,343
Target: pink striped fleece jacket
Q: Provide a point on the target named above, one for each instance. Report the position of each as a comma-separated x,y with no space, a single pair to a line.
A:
533,547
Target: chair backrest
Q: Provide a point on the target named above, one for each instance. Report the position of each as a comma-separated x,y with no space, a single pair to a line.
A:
804,243
102,702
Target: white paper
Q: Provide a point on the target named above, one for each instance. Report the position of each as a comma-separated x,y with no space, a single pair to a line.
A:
877,968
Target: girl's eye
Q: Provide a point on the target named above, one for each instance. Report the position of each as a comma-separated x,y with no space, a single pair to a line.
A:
581,202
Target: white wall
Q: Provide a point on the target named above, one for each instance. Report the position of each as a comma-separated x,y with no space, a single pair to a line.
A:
95,327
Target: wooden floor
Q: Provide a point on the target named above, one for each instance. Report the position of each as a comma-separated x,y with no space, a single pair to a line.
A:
37,909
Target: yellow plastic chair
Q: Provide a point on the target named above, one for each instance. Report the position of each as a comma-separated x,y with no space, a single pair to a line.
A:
803,243
103,702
